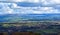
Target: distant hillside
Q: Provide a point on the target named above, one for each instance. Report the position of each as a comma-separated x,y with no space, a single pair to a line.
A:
29,17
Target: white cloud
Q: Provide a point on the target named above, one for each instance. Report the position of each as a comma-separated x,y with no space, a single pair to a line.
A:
56,1
50,2
45,2
28,10
45,10
5,8
14,5
17,0
32,1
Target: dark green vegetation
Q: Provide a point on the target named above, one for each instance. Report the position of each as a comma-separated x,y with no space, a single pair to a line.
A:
41,27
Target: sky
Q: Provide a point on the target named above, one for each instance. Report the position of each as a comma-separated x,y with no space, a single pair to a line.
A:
29,6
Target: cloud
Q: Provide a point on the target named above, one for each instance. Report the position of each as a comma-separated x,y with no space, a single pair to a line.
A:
43,10
37,10
56,1
33,1
50,2
26,10
13,8
5,9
